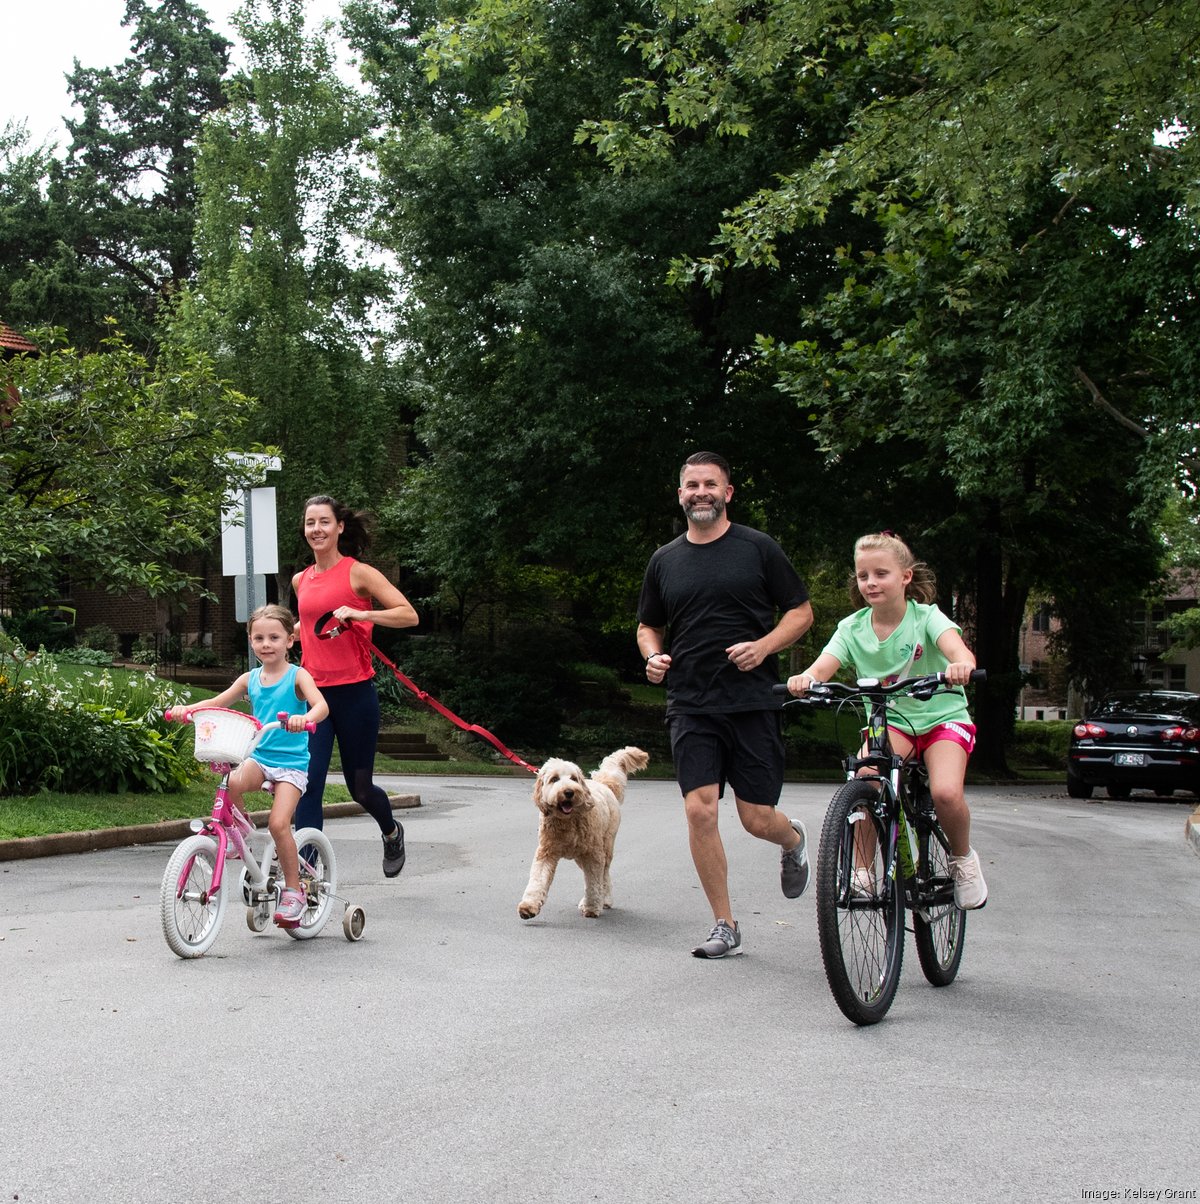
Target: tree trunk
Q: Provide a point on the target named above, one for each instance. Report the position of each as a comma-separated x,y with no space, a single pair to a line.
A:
999,613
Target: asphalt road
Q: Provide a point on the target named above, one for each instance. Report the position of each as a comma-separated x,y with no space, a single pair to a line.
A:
456,1052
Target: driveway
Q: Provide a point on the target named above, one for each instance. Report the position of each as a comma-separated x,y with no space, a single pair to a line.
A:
456,1052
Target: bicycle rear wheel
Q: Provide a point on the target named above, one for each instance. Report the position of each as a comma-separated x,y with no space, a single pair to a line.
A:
191,913
860,914
318,879
940,938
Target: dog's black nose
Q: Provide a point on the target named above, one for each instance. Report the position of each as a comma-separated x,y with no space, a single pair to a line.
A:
569,792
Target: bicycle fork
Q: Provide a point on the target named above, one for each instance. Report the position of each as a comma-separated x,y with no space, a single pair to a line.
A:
221,833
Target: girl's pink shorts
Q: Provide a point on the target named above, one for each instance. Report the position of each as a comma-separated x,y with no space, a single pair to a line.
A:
962,734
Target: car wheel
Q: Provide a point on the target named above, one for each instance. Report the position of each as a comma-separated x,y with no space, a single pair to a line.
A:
1077,787
1164,791
1118,792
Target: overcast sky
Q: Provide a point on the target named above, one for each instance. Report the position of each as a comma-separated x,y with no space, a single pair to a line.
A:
42,38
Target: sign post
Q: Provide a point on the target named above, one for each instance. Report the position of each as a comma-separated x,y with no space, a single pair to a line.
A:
250,539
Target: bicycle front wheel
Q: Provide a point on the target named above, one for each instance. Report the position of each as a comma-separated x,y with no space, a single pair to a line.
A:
939,939
318,880
191,913
860,913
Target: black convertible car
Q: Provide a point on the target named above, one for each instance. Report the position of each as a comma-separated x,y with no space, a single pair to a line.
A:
1137,740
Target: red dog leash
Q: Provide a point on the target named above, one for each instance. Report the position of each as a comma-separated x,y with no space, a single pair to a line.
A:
325,632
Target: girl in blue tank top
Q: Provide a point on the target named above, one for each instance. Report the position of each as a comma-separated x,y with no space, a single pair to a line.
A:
279,762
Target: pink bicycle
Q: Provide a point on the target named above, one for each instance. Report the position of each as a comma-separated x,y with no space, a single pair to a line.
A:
193,898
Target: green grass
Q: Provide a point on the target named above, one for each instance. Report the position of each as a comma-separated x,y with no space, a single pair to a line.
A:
46,814
433,769
814,735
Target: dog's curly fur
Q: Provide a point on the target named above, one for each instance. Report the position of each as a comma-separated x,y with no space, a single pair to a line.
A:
580,818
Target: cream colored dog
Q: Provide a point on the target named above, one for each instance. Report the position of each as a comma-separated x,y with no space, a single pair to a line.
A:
580,818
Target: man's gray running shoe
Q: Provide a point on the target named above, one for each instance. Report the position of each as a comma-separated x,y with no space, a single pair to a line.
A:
393,852
793,865
724,941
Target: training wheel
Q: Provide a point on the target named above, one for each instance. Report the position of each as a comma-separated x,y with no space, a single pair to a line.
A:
257,917
353,922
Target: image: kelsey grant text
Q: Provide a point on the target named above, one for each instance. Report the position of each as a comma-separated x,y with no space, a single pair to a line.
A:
1139,1193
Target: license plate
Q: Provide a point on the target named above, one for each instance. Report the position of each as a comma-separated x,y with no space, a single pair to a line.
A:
1129,759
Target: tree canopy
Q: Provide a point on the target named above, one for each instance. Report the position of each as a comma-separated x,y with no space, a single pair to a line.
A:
115,238
906,266
285,296
1001,350
112,468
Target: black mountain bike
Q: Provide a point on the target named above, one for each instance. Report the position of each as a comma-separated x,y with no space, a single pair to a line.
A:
882,850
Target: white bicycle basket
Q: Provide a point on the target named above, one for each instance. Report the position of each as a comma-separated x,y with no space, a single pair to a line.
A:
223,735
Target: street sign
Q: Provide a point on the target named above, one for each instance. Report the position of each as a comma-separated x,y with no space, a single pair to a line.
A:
249,539
243,606
253,544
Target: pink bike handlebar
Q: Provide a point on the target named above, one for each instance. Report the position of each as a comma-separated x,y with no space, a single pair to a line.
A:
282,719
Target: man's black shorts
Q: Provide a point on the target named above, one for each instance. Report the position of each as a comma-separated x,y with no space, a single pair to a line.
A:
744,748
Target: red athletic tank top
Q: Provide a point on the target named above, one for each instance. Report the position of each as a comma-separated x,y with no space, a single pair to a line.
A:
343,659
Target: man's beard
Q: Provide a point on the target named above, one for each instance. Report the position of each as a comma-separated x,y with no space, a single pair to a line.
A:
705,513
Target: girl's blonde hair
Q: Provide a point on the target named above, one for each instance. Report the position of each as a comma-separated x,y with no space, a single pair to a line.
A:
922,587
273,610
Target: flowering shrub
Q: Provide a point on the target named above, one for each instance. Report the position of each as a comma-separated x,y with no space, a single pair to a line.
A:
95,731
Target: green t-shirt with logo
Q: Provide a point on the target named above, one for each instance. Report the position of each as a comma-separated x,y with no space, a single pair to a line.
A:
910,651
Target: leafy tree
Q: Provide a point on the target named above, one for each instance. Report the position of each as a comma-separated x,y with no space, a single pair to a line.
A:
1005,340
560,379
111,468
118,234
286,292
1183,543
26,234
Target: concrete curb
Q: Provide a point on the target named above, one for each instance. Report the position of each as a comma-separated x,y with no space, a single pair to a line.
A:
171,829
1191,828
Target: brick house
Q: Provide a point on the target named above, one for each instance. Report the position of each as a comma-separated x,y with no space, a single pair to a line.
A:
11,345
1154,662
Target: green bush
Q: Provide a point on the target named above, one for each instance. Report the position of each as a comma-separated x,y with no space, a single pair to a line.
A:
96,731
144,650
1043,743
29,740
84,656
41,628
199,657
601,675
102,638
520,691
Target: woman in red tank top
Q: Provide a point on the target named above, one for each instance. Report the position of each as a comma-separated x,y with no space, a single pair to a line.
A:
338,582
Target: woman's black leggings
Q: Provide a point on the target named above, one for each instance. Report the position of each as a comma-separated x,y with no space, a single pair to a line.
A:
354,721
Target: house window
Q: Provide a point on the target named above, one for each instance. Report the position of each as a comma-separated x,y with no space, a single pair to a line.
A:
1041,619
1155,636
1176,677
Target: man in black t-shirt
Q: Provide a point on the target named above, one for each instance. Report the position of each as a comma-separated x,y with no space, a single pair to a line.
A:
715,592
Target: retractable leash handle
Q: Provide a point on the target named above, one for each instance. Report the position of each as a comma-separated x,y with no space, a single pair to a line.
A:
327,627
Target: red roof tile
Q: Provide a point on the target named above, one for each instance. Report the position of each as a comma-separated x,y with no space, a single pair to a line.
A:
11,341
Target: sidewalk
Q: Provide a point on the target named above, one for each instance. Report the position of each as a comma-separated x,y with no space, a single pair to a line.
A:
171,829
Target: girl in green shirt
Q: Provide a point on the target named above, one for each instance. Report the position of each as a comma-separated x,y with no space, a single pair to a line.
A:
899,632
